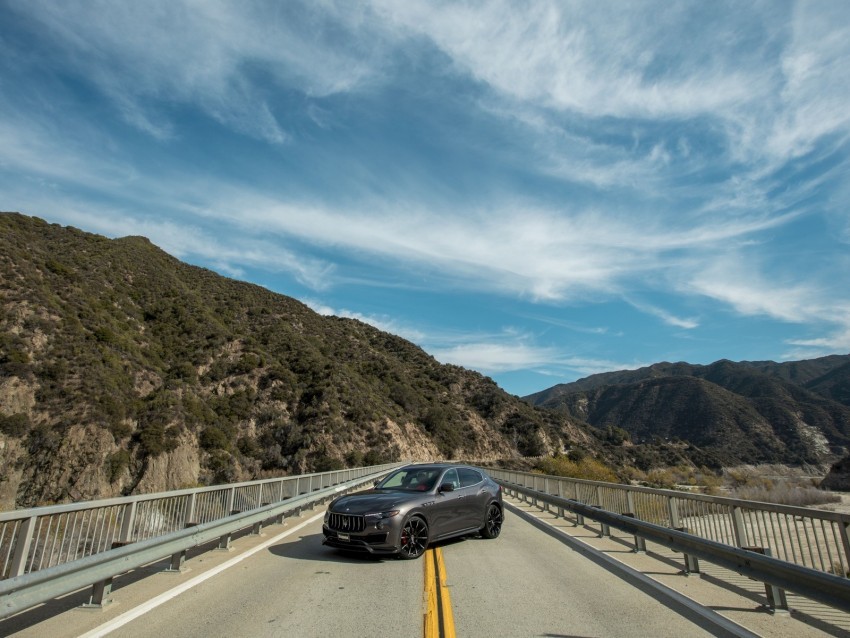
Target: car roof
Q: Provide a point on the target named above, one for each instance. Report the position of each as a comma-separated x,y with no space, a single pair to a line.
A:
441,465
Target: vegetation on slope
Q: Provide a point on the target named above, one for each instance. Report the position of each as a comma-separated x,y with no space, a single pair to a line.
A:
114,351
730,413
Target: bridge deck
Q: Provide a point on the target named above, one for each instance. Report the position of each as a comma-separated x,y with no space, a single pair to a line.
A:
526,583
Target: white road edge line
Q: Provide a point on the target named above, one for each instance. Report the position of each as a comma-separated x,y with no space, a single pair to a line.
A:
131,615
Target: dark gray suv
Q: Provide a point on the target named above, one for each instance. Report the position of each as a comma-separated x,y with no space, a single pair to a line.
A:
414,506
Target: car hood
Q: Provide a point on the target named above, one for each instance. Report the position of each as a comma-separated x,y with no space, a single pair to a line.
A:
369,502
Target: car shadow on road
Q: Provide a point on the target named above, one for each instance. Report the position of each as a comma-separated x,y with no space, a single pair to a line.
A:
309,547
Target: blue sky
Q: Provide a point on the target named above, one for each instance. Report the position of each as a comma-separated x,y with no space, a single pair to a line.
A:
535,190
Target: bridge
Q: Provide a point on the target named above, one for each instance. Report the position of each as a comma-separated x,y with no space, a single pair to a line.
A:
575,558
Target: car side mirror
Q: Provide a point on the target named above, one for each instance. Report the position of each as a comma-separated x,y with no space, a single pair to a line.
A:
447,487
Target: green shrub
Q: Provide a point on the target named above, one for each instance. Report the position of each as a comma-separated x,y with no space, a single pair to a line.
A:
120,430
156,438
16,425
116,464
248,446
221,466
587,468
212,438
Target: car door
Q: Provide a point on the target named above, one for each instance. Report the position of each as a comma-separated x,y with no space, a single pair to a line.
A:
445,511
474,498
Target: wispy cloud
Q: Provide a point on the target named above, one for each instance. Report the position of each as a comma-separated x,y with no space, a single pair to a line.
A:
215,55
500,357
385,323
667,317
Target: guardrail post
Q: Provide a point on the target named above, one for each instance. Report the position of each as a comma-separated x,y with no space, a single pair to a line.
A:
738,527
604,529
23,541
776,599
560,495
546,490
691,562
177,561
224,543
100,593
231,500
640,541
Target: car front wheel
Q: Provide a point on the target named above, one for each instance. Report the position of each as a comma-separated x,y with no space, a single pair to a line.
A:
493,523
414,538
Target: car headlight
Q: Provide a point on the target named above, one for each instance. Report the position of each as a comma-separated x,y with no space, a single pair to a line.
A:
327,514
377,516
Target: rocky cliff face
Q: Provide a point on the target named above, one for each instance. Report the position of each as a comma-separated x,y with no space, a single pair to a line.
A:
123,370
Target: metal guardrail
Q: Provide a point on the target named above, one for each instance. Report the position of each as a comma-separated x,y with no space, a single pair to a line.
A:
825,588
43,537
21,592
800,535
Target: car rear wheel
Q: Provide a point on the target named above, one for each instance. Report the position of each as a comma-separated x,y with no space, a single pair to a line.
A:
493,523
414,538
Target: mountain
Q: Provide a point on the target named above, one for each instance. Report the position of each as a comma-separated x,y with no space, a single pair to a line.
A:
747,412
124,370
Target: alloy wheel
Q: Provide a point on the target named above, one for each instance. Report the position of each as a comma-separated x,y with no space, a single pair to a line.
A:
493,524
414,538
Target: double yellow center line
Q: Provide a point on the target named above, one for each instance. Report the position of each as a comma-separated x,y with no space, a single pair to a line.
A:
439,621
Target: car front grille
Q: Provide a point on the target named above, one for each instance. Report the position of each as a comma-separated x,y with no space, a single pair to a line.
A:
346,523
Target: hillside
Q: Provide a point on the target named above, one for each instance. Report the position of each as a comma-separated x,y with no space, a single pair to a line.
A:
749,412
123,370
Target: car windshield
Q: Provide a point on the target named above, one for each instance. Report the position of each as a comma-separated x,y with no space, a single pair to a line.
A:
412,479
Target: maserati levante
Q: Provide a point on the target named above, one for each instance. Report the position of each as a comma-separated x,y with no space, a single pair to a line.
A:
414,506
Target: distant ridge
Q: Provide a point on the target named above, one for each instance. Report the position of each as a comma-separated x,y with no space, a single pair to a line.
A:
746,412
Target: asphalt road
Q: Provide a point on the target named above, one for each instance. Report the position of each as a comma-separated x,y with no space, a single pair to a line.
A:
524,583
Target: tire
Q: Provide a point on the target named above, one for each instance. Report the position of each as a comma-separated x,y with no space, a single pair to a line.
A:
414,538
493,523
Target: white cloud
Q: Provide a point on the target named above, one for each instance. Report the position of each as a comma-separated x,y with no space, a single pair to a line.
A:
215,54
586,57
41,148
687,323
495,357
740,283
771,90
817,79
384,323
835,341
505,355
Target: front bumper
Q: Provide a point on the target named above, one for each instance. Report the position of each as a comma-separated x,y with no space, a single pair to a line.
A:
371,542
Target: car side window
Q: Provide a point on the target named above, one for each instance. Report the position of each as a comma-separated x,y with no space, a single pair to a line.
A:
468,477
451,477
